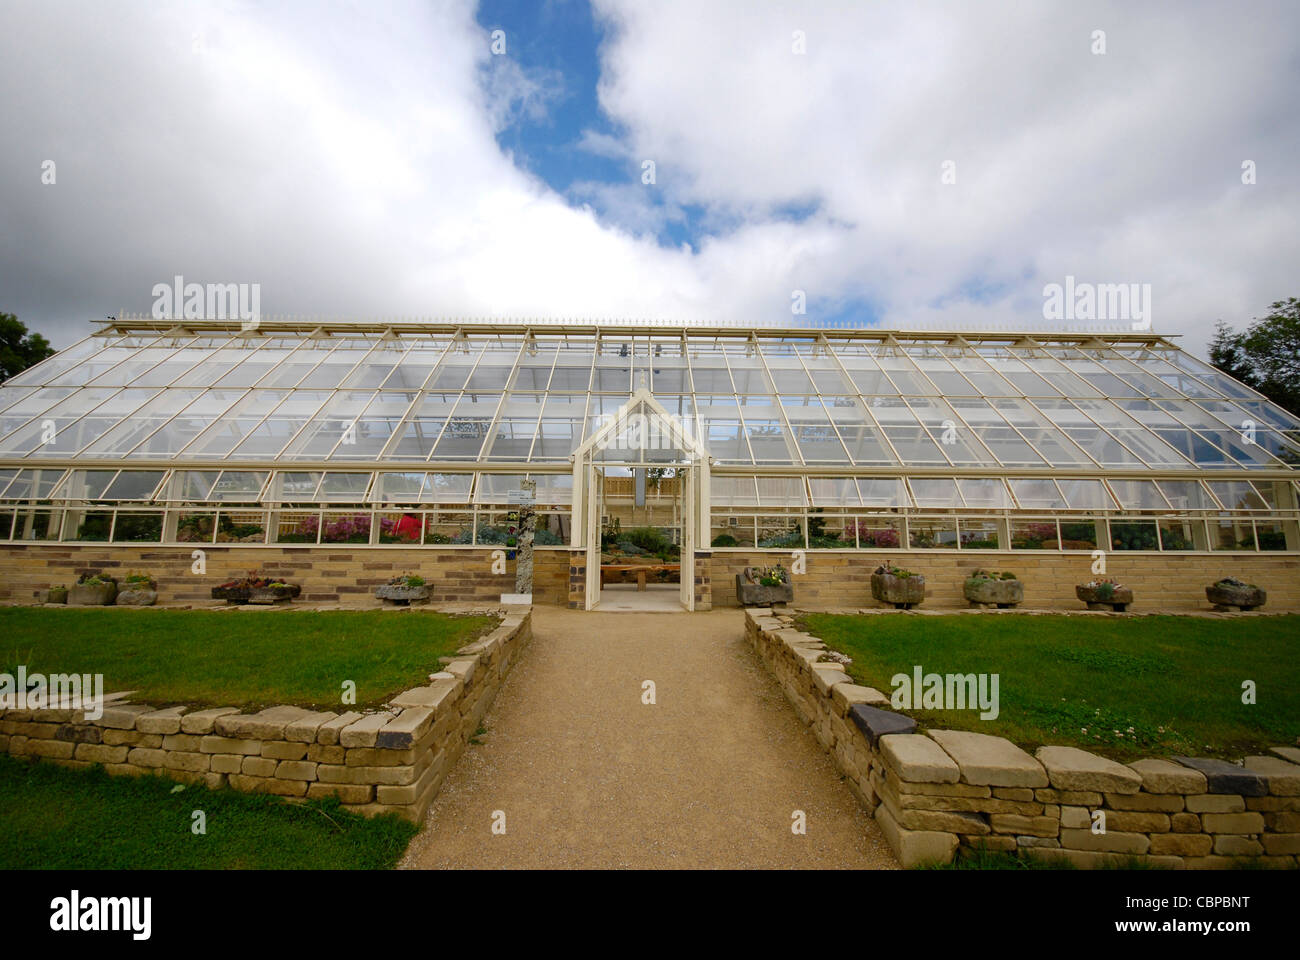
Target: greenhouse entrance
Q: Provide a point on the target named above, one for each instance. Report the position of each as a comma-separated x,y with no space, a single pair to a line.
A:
640,485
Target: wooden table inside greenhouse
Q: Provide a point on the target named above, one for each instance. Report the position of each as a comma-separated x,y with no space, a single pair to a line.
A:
641,570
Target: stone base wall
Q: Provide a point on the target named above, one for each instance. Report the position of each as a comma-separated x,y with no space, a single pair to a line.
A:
1162,581
932,793
703,580
327,574
392,760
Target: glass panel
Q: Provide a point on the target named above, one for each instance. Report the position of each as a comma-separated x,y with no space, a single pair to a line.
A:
878,533
1034,535
979,534
37,525
1133,535
401,528
134,485
935,492
1271,534
239,486
1086,495
192,484
137,527
733,491
1177,534
85,485
195,526
34,484
1037,493
88,525
343,487
781,491
732,531
444,527
1187,495
297,527
932,533
1231,535
1078,534
834,492
985,492
1138,495
884,492
1237,495
780,533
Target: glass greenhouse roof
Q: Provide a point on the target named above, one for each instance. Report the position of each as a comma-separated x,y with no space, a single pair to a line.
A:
207,402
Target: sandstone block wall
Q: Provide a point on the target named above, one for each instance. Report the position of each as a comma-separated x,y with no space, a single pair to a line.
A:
327,574
1162,581
932,793
391,760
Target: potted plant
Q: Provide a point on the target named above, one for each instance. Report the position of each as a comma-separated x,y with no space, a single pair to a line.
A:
1103,594
93,590
256,588
903,588
57,595
401,591
987,588
1231,593
138,590
757,586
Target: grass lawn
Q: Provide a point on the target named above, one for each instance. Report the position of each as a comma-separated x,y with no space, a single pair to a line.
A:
237,658
1123,687
55,818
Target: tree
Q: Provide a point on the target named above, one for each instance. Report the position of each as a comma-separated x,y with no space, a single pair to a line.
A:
1266,355
18,348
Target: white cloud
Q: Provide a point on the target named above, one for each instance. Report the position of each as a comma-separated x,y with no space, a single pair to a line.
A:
346,160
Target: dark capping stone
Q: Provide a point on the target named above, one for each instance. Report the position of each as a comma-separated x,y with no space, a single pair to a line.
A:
876,723
1224,777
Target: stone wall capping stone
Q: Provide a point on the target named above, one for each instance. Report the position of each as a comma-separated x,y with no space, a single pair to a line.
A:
914,757
1164,776
1069,768
1283,777
1224,777
204,721
845,695
991,761
876,723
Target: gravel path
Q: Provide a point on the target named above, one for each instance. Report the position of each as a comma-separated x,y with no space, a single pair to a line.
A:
588,776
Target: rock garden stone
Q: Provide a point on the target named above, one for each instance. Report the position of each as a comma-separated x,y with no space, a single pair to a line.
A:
901,588
1232,594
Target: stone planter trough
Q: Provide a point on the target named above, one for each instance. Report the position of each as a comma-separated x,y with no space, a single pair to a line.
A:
142,596
92,594
1118,601
1229,597
398,595
256,595
903,592
758,595
983,592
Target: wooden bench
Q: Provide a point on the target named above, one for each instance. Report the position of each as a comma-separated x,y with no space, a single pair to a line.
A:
641,570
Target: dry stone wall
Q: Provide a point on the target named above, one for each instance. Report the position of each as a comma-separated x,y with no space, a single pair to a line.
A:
391,760
931,793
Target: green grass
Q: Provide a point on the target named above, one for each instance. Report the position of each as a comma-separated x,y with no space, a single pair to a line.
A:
237,658
63,819
1123,687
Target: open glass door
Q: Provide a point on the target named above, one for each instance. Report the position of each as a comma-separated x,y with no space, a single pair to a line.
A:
686,491
595,489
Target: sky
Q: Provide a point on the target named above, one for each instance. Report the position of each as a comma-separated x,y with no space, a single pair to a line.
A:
888,164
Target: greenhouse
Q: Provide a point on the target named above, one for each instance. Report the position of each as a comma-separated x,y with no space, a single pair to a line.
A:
710,446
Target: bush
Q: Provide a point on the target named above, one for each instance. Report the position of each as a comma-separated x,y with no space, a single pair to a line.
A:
724,540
